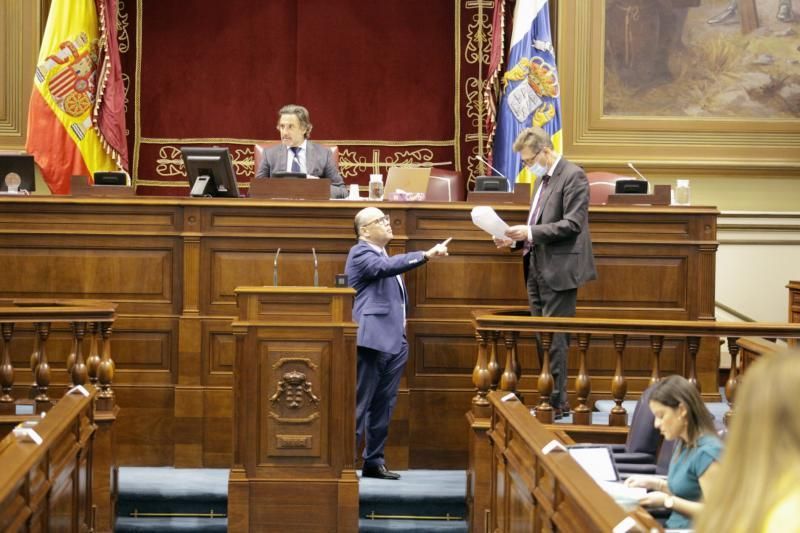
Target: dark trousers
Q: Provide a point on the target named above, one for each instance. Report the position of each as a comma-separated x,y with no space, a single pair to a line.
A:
378,378
545,301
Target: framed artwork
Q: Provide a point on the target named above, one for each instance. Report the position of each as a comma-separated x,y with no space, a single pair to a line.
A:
692,87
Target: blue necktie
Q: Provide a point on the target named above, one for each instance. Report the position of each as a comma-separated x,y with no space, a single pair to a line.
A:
296,159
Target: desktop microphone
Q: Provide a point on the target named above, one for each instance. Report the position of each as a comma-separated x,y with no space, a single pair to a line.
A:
275,268
316,271
485,162
637,172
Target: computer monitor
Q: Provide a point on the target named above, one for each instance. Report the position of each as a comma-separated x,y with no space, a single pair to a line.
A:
21,165
491,184
210,171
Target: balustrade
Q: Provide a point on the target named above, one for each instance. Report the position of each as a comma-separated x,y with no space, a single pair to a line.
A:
22,315
512,325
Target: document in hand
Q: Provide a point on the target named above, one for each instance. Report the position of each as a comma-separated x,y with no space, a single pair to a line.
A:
485,218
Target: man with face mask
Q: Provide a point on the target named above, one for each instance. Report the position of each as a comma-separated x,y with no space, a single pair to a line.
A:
557,247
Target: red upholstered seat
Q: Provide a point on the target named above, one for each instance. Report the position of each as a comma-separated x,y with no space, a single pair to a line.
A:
601,185
445,186
258,153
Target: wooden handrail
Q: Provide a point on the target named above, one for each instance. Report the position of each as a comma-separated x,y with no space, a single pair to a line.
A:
550,488
66,432
93,316
510,323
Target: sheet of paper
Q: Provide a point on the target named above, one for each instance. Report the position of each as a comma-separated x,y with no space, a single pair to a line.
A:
616,489
485,218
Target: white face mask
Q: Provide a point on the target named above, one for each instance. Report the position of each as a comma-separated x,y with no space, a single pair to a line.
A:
537,170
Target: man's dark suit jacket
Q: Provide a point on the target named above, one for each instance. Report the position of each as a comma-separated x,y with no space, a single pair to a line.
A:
378,306
319,162
561,241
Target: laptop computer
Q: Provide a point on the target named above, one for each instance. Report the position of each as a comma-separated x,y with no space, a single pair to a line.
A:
598,461
408,179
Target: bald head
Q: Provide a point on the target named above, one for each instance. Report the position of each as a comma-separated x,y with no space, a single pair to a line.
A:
373,226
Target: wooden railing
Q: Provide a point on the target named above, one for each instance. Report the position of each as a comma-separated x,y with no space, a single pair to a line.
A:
490,328
84,317
48,487
88,362
535,490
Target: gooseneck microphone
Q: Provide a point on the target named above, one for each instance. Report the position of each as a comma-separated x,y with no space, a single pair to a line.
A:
485,162
637,172
275,268
316,270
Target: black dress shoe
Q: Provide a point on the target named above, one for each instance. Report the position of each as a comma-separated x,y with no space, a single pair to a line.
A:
379,472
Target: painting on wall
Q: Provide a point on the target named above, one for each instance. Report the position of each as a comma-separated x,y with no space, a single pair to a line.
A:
702,58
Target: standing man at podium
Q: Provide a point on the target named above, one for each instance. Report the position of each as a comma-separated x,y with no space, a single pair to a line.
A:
298,154
557,247
380,310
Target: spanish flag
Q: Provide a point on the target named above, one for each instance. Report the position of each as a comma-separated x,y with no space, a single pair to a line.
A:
76,119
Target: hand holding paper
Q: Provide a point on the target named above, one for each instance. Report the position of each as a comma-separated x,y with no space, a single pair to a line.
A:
485,218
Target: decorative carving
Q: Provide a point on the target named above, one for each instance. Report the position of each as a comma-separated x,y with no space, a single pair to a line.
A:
294,388
304,420
285,360
294,442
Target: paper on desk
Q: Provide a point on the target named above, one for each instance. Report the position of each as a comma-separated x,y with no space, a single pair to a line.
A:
619,490
485,218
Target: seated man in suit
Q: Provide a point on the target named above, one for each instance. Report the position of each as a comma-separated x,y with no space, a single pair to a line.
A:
297,154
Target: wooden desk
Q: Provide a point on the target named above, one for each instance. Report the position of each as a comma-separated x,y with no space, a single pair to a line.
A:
172,265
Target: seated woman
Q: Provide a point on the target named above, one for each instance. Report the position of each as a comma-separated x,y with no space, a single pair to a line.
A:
681,414
757,487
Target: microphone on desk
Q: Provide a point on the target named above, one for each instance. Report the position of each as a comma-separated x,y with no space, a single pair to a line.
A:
485,162
275,268
637,172
316,271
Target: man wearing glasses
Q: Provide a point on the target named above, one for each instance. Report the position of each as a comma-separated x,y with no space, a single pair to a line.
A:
557,247
380,311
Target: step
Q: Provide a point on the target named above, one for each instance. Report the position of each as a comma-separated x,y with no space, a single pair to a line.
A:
415,526
164,525
172,490
418,493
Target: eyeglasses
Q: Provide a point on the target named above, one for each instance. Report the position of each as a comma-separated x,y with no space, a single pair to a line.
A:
529,162
383,220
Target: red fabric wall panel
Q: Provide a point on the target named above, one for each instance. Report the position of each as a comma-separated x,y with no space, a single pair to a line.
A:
365,69
392,82
377,70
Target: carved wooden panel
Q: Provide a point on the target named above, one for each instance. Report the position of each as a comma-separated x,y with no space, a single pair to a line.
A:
136,273
294,397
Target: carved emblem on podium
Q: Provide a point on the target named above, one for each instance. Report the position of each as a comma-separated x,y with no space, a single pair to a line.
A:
294,389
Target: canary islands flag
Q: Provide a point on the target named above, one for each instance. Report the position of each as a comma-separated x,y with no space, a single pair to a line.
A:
76,120
530,88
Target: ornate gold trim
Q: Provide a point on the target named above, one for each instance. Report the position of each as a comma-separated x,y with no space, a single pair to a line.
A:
698,147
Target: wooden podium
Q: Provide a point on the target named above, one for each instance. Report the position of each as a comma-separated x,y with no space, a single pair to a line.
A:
294,411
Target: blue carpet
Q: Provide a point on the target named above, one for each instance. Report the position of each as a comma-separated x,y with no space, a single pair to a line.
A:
141,525
419,493
172,491
415,526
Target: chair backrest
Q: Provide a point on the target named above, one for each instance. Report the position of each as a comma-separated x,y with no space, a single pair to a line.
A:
601,185
643,437
258,153
445,186
664,457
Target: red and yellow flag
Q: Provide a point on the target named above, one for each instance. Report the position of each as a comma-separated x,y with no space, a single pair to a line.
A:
76,119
